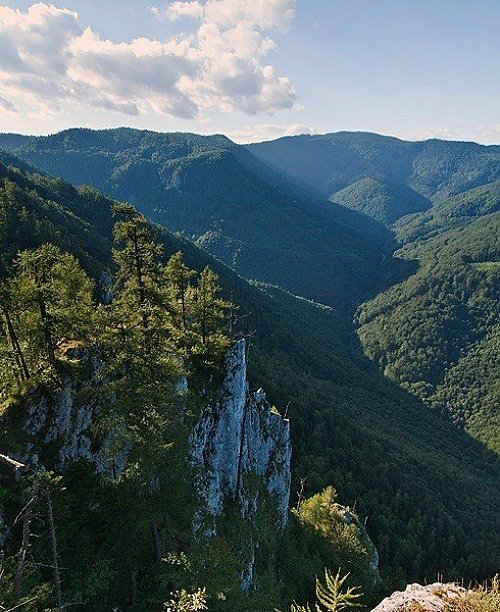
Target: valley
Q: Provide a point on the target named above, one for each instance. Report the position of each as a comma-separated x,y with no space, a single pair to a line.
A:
365,274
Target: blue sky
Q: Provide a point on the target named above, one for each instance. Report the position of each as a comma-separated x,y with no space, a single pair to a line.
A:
253,69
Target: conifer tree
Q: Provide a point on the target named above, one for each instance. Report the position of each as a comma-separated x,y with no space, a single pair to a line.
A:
53,298
178,277
139,275
46,303
209,314
142,367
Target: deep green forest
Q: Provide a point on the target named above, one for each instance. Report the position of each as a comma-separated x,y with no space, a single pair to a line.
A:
402,422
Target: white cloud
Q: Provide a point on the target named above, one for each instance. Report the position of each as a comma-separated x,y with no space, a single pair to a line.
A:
178,10
263,14
268,131
7,105
47,58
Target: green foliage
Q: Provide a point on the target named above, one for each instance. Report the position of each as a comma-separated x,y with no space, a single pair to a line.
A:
37,598
141,363
45,307
338,525
326,532
199,316
332,595
437,332
187,602
406,469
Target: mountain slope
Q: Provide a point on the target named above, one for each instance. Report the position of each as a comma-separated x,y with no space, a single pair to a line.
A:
380,199
437,333
228,201
351,427
450,213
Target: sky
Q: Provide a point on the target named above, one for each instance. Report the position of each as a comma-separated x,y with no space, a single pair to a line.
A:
253,69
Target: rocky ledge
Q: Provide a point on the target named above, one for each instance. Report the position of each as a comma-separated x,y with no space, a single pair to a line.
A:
429,598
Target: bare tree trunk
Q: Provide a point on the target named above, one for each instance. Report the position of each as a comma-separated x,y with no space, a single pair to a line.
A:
135,591
55,556
25,542
20,467
16,347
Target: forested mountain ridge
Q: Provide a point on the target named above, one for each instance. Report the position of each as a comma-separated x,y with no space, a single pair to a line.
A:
449,214
350,426
438,333
380,199
331,162
230,203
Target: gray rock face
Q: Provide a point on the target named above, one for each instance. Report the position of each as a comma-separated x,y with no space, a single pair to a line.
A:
429,598
61,417
238,436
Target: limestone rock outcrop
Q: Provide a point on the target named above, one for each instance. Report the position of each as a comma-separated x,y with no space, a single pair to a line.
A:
240,437
429,598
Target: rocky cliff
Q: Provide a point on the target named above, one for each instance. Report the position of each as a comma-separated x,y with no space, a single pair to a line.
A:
241,448
60,420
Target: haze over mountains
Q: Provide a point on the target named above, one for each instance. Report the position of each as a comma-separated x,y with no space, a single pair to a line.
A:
432,168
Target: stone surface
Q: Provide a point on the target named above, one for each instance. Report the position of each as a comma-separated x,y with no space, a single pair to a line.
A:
238,435
429,598
240,447
61,417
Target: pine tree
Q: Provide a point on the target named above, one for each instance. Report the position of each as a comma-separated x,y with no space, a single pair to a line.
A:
209,315
53,298
178,277
45,305
142,366
138,277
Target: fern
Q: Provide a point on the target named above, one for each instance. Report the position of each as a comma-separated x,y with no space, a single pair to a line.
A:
332,597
